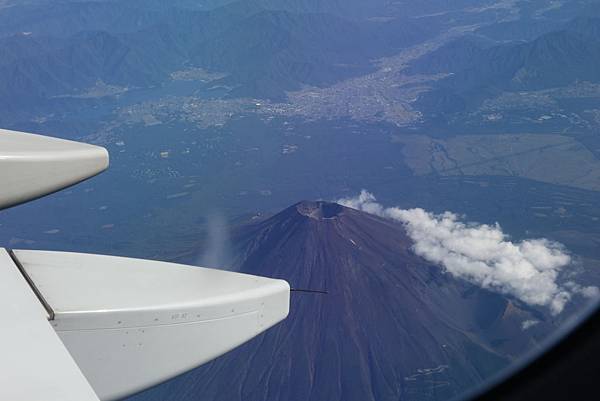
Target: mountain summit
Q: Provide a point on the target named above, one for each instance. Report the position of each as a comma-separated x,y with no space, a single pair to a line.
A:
390,327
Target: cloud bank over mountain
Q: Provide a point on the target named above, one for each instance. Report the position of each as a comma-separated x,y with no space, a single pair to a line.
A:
482,254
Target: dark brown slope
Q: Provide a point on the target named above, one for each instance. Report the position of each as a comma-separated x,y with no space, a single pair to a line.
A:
391,326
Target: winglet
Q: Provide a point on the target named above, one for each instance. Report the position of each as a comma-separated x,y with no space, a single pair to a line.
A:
32,166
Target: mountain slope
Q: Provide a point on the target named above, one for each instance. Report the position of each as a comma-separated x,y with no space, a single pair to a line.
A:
390,327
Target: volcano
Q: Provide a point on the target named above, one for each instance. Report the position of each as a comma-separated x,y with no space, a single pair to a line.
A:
389,327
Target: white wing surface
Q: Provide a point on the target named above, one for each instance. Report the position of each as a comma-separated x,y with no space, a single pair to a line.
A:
32,166
130,323
35,365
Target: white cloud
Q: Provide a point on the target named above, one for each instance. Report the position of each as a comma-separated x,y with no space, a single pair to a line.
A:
528,324
482,254
588,292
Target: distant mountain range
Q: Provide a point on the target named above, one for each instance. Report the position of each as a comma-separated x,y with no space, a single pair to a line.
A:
67,17
479,70
391,326
264,52
265,48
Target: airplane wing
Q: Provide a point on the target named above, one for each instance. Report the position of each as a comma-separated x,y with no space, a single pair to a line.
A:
32,166
87,327
35,365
